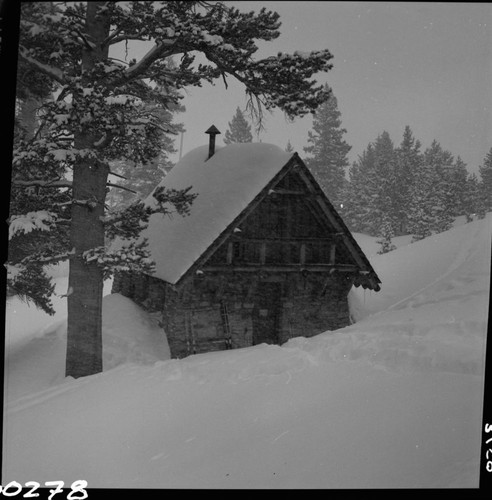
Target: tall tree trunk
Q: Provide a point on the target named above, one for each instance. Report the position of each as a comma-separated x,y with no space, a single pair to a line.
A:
84,336
84,303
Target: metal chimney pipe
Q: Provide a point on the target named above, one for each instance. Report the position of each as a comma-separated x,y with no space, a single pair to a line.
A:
212,132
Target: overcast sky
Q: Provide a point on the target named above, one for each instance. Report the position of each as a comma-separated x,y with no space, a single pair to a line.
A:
427,65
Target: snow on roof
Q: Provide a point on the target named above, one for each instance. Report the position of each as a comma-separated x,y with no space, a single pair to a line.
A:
226,184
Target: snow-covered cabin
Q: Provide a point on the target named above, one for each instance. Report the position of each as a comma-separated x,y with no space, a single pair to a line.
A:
262,257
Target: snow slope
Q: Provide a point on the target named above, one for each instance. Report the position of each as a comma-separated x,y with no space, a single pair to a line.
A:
392,401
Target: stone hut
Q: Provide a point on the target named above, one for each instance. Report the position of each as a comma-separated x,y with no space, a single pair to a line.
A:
263,256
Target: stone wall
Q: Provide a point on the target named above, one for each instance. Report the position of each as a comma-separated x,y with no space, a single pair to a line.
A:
208,313
316,304
212,311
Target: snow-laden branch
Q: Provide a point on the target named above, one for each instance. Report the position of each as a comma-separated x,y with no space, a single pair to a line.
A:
54,73
159,51
134,257
44,184
104,141
22,224
43,259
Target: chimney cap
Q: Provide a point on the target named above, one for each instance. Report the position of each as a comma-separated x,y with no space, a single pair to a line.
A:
212,130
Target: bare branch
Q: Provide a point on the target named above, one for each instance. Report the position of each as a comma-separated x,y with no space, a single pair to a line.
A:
224,79
118,175
113,39
110,184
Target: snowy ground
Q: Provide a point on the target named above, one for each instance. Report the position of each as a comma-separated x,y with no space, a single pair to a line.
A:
393,401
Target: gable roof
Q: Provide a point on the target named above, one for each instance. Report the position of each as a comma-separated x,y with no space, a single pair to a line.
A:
226,184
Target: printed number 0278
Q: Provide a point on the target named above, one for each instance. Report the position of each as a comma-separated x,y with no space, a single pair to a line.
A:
77,491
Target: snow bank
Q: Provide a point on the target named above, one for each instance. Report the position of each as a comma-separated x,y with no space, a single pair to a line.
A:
130,334
35,360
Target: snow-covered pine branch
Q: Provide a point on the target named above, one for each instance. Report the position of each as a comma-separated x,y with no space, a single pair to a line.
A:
31,284
128,223
42,258
133,257
50,71
41,220
137,70
55,183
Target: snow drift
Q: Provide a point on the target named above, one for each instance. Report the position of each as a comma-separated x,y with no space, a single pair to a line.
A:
392,401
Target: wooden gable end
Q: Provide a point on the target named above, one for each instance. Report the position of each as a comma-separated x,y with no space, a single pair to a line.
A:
285,227
289,226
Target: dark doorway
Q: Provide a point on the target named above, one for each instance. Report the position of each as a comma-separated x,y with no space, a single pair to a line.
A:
266,314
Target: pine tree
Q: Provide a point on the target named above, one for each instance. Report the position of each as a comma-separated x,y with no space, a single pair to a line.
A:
419,209
384,183
369,198
486,183
408,160
474,199
239,130
357,205
386,234
458,175
97,118
328,150
430,208
289,148
440,163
